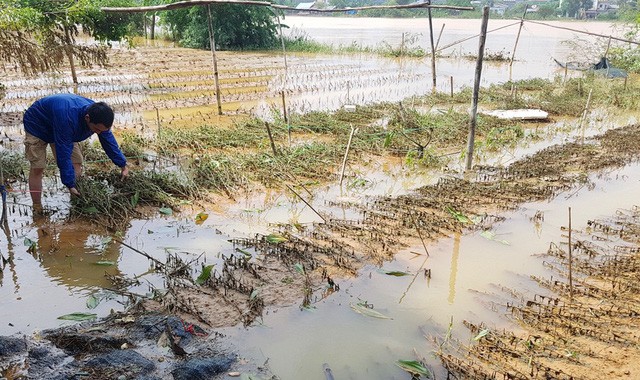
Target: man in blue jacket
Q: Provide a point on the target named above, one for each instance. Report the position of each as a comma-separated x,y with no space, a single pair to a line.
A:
61,121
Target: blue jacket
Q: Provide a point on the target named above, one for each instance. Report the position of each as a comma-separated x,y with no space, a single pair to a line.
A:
59,119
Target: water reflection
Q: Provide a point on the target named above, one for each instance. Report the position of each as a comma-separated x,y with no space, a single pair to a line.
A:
75,255
453,271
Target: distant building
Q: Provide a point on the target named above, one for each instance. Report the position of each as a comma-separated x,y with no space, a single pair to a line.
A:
499,9
601,7
305,5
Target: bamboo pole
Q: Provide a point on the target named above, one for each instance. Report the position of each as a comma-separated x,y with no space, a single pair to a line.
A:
515,46
433,51
451,84
439,36
158,262
68,49
285,80
152,32
606,53
585,112
212,42
193,3
346,154
570,262
3,194
474,36
273,145
284,51
476,87
585,32
305,202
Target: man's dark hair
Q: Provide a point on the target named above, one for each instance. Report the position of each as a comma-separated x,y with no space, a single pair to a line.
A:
101,113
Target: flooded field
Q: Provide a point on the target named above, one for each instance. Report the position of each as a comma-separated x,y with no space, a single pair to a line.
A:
60,268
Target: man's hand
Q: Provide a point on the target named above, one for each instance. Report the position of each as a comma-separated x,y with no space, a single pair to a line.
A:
74,191
124,173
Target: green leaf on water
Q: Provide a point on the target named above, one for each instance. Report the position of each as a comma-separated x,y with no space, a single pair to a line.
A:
393,272
364,310
105,263
92,302
462,218
299,268
78,317
165,210
276,239
201,217
247,254
481,334
414,367
29,243
490,235
205,275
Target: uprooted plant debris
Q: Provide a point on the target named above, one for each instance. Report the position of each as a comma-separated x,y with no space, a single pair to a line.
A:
311,259
586,321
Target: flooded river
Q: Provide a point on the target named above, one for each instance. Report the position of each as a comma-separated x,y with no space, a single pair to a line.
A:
45,282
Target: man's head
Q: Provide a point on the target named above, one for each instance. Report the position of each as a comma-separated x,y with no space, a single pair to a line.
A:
99,117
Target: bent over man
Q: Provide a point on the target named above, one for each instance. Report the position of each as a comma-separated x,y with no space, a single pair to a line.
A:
62,121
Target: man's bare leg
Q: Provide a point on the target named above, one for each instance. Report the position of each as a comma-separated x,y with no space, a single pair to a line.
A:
35,186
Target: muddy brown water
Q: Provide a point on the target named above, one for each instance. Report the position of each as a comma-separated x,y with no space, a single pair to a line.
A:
67,268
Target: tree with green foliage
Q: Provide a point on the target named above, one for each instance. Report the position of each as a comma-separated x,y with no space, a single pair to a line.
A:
37,35
571,8
236,27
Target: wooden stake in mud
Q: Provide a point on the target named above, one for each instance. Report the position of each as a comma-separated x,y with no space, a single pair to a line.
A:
346,154
433,50
515,46
3,194
585,112
284,108
284,84
212,42
476,88
570,262
451,84
273,145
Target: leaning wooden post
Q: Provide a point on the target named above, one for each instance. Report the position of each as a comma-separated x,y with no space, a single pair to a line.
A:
570,262
606,53
212,42
346,154
3,194
284,82
433,50
439,36
273,145
515,46
476,88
